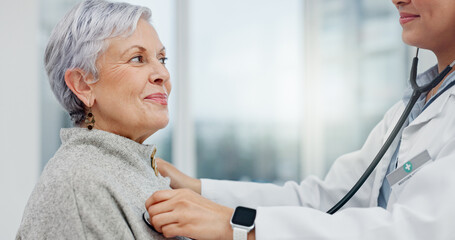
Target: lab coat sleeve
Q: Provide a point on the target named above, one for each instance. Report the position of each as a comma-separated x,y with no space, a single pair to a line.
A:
312,192
424,210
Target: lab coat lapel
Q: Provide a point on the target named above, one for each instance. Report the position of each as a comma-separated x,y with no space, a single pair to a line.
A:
412,143
432,110
381,169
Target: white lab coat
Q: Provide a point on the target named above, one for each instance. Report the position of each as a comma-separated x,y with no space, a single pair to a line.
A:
421,208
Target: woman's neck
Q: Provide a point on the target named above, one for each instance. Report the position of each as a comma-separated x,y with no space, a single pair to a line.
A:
445,57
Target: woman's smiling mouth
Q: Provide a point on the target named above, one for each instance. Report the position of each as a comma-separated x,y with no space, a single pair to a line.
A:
160,98
407,17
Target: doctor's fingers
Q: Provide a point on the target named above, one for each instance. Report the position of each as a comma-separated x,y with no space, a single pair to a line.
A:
170,200
174,229
174,218
159,196
163,219
195,216
194,222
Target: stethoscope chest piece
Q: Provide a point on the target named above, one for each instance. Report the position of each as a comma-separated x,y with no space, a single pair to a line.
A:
146,219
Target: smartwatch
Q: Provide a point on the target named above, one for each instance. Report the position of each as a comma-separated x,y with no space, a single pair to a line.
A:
242,222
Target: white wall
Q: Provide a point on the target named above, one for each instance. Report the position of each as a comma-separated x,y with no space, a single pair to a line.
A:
19,110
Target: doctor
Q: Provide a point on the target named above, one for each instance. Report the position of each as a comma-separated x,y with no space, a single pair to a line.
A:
410,195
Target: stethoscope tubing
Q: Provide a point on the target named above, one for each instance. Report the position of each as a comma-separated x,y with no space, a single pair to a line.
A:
379,155
417,91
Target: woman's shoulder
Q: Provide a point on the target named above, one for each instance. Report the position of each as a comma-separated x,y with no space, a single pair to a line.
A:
86,167
52,203
70,179
75,165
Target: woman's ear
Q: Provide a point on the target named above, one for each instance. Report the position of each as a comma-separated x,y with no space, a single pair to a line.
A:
76,80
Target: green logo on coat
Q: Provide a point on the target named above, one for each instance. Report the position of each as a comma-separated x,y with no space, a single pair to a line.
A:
407,167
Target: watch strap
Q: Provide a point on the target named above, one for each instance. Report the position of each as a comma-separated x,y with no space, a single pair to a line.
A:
240,234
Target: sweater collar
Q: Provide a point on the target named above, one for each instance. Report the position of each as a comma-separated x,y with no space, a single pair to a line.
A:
113,143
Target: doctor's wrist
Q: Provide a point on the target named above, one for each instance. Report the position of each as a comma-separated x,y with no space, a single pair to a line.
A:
251,235
196,185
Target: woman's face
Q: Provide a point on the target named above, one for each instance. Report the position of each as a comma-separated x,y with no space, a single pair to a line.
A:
132,91
427,24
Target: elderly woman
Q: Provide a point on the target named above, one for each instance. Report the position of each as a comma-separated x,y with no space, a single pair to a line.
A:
105,62
415,200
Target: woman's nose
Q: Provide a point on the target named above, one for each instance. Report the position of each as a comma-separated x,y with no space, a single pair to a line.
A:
158,81
400,2
159,75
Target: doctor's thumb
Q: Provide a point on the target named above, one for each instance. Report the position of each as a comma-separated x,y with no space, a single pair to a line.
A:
178,179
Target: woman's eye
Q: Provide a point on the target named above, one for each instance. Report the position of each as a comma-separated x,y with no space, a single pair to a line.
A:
137,59
163,60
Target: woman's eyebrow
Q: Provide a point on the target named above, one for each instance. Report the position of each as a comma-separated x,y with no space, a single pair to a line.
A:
140,48
161,52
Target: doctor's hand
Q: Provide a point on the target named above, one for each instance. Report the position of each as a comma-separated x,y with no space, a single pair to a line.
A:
185,213
178,179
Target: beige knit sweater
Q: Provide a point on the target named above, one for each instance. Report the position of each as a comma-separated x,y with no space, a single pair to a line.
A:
94,187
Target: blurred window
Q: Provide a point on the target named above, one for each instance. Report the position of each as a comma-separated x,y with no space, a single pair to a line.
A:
280,89
246,88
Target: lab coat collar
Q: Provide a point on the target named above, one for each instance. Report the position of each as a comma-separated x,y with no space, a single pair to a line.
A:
437,106
422,79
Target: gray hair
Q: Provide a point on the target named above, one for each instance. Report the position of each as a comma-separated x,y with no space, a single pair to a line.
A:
79,38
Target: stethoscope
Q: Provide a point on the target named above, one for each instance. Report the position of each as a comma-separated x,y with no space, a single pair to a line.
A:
417,91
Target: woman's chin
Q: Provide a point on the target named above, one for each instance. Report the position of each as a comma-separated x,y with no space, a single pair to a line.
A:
412,39
150,129
409,40
159,124
163,125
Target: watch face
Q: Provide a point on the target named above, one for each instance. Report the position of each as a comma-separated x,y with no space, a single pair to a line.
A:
244,216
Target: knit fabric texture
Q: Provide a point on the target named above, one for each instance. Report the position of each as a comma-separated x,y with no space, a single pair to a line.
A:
95,187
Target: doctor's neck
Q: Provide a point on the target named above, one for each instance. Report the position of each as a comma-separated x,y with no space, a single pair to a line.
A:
445,57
